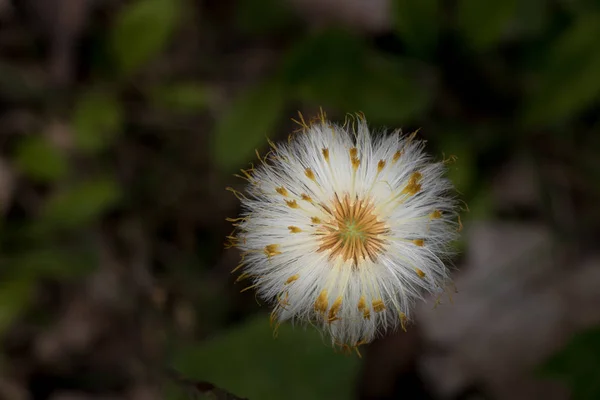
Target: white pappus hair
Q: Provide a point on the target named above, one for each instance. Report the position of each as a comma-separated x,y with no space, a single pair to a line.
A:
346,230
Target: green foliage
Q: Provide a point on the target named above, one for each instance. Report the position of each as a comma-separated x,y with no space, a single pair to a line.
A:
173,391
249,362
141,31
581,7
81,203
417,22
569,81
331,68
15,86
21,270
51,261
462,170
484,23
531,19
263,16
578,364
389,93
97,119
15,295
246,125
337,69
185,97
40,160
326,68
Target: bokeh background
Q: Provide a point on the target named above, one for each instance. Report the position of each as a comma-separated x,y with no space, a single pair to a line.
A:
122,123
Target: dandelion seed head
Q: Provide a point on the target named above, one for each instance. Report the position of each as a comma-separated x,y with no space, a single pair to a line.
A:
346,230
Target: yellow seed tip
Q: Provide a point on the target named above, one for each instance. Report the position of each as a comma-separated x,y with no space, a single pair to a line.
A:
306,197
415,177
309,174
272,250
403,319
378,305
294,229
335,307
413,186
436,214
292,203
322,303
362,306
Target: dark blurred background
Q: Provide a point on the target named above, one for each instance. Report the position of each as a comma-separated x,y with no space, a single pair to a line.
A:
122,123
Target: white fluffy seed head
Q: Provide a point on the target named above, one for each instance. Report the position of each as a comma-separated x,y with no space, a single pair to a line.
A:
346,230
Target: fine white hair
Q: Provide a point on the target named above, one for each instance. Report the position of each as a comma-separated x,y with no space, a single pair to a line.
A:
345,229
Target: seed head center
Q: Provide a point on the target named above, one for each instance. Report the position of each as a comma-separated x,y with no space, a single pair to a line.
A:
353,231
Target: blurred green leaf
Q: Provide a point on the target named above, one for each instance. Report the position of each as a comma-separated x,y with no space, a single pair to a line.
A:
181,97
578,363
390,94
179,387
484,23
81,203
97,119
249,362
263,16
481,205
326,67
247,124
40,160
50,262
417,23
569,80
15,295
462,171
17,86
141,31
171,391
336,69
581,6
531,19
